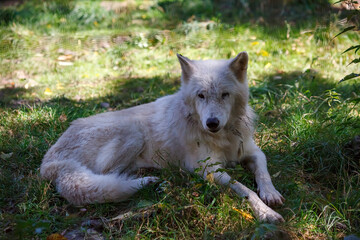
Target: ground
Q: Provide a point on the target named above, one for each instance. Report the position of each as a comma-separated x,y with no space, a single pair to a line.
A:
61,60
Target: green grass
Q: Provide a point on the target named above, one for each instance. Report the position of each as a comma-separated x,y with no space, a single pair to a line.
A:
60,60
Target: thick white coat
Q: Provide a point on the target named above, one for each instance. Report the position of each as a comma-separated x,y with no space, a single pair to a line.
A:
91,161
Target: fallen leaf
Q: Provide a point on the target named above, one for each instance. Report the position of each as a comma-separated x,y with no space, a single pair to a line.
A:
56,236
244,214
62,118
47,91
59,86
264,53
268,65
210,177
195,194
276,174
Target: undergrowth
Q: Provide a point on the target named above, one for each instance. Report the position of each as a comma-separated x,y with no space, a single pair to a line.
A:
62,60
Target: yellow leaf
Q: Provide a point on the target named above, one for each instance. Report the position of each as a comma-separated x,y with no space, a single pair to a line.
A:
85,76
47,91
244,214
171,53
197,186
268,65
56,236
143,16
96,23
210,177
152,69
48,26
264,53
254,43
59,86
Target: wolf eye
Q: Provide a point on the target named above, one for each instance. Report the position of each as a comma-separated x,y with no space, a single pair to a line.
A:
225,94
200,95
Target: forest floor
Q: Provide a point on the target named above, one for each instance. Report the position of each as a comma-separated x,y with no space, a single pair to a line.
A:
62,60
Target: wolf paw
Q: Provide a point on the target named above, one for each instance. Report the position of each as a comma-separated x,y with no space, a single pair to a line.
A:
270,196
149,180
271,216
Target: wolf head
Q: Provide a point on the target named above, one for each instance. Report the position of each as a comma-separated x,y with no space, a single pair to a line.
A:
215,91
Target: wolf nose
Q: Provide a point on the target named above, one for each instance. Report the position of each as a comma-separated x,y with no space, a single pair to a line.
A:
212,124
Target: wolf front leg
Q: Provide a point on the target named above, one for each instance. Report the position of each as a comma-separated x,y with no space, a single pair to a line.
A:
262,212
256,161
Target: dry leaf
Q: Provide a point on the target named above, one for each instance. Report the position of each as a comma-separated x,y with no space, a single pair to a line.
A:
195,194
210,177
244,214
59,86
62,118
56,236
264,53
47,91
276,174
268,65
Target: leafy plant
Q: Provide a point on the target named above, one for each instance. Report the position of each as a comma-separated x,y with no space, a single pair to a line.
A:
351,18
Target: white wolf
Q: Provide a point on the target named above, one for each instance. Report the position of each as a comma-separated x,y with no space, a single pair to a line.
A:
208,118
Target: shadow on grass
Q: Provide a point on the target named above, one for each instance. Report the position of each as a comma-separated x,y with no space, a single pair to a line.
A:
273,17
309,162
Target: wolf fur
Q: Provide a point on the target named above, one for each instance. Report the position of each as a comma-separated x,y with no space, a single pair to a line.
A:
208,118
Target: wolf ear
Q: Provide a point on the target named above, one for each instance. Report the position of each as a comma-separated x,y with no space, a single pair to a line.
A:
239,66
187,67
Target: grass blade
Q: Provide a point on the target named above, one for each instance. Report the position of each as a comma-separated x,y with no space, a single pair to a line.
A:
345,30
350,76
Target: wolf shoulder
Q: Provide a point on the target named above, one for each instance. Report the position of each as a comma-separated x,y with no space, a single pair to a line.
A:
139,113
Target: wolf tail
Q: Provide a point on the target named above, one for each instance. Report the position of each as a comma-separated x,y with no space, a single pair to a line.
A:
79,185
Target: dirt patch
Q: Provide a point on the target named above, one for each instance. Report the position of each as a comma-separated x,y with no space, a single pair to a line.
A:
118,7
